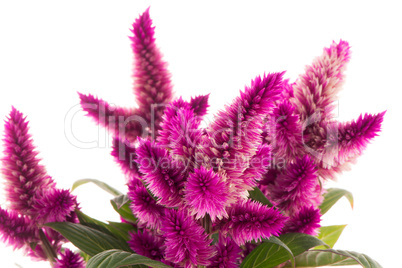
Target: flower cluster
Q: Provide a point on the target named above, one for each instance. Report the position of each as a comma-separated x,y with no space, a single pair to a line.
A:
192,190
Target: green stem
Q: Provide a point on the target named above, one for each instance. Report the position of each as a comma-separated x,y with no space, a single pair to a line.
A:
47,248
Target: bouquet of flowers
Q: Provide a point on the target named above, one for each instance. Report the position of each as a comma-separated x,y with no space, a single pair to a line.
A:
246,191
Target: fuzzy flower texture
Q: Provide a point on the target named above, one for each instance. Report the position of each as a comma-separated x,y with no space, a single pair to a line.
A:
189,187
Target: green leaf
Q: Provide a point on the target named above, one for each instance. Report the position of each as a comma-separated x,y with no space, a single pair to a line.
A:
99,183
257,195
330,234
331,257
116,229
117,258
87,239
122,206
269,254
332,196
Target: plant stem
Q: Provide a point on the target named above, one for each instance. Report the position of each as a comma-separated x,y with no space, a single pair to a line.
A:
47,248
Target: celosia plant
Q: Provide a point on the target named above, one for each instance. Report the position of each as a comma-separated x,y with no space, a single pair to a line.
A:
199,197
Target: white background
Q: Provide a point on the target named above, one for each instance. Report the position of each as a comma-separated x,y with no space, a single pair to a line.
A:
49,51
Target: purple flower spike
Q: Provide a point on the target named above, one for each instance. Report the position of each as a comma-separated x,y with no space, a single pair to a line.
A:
144,206
148,245
163,175
228,254
317,89
347,141
205,193
287,132
17,231
124,154
235,134
152,85
250,220
307,221
69,259
186,243
298,186
24,176
54,205
199,105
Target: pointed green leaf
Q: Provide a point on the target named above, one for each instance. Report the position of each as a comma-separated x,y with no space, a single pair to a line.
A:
99,183
330,234
121,229
257,195
122,206
269,254
332,196
331,257
87,239
117,258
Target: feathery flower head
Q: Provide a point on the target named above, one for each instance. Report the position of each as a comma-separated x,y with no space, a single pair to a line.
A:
124,154
250,220
24,175
199,105
297,186
163,175
54,205
186,243
228,254
144,206
205,193
69,259
306,220
148,245
17,231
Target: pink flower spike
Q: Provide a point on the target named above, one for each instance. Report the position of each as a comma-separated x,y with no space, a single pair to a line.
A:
250,220
228,254
69,259
124,154
199,105
306,220
186,242
148,245
205,193
23,174
152,84
163,175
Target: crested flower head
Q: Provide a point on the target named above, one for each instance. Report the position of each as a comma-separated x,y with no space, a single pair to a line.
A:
250,220
69,259
205,193
228,254
297,186
199,105
17,231
148,245
163,175
24,176
54,205
144,206
124,154
306,220
186,243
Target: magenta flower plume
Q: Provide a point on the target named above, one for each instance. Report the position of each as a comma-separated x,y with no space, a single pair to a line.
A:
17,231
186,243
297,186
250,220
228,254
287,134
205,193
124,154
347,141
20,166
152,84
54,205
148,245
235,134
199,105
69,259
144,207
258,166
317,89
163,175
306,220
